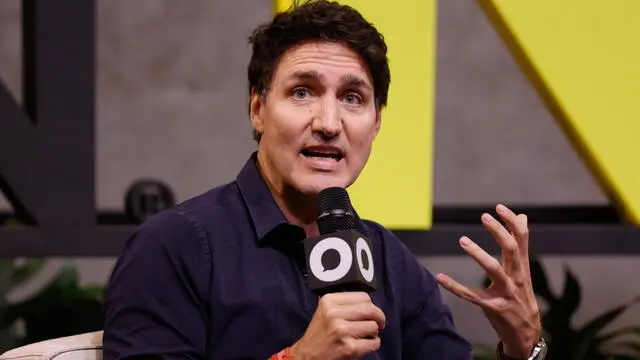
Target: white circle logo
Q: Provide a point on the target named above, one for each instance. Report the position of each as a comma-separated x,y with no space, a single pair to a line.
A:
361,245
315,259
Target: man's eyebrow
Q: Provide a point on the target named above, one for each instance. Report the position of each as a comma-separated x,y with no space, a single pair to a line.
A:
355,81
306,75
349,79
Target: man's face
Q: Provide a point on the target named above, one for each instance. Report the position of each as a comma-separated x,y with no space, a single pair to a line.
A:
318,120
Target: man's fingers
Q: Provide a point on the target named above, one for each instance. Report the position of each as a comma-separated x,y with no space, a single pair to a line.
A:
359,312
508,244
522,236
492,267
458,289
519,227
359,348
346,298
517,224
363,329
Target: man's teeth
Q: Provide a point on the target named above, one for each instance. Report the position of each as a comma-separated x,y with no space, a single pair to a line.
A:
321,155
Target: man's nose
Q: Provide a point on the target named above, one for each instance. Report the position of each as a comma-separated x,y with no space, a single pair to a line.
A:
327,121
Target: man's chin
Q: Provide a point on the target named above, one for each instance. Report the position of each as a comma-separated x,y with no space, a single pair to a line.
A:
314,187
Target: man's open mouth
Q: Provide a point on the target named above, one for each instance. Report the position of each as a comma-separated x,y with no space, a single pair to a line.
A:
323,153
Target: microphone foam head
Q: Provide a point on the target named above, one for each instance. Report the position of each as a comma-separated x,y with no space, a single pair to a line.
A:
334,211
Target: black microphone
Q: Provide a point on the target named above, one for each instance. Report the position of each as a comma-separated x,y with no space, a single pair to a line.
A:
341,258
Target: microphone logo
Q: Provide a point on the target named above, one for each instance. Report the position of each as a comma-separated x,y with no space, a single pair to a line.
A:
345,261
330,256
365,269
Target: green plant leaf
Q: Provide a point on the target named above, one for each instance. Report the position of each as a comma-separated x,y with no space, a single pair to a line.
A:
62,308
484,357
10,313
64,284
614,356
6,267
612,335
483,352
93,291
482,348
30,268
572,295
590,330
8,340
540,282
67,276
620,353
557,320
625,346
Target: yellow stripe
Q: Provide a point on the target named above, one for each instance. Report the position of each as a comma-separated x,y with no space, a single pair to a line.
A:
395,187
583,56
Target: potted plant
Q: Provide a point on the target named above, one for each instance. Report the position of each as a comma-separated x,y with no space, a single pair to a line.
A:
587,342
60,308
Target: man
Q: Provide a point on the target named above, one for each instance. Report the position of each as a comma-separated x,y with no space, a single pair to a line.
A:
222,275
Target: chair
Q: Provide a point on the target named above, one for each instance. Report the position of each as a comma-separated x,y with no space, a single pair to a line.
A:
87,346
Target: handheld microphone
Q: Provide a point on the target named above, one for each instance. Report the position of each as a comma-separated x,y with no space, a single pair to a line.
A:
341,258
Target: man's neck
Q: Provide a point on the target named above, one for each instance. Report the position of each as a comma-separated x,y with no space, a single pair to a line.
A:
298,208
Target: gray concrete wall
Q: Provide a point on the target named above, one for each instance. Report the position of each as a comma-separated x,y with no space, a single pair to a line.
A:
495,140
172,104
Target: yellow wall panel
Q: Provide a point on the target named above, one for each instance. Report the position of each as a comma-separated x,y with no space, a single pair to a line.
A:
584,58
395,187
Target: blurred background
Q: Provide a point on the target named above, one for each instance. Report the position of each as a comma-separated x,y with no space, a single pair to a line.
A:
170,108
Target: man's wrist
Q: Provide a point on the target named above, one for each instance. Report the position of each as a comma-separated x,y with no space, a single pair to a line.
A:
296,353
505,353
516,352
284,354
537,352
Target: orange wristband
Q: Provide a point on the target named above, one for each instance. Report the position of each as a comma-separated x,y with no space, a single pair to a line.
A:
284,354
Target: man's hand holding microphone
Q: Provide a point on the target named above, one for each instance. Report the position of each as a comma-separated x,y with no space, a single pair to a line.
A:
346,323
344,326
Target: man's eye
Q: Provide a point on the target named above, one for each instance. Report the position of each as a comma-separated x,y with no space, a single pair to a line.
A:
353,99
300,93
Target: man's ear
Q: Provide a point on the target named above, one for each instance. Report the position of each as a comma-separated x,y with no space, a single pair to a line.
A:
255,110
378,123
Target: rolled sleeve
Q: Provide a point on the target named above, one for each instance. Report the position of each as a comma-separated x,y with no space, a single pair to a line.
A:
156,302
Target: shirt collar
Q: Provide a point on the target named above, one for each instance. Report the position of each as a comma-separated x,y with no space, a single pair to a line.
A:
265,213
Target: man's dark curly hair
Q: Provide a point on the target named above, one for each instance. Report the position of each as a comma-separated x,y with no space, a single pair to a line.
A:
317,20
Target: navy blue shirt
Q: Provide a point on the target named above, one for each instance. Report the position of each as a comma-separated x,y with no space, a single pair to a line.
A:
221,276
